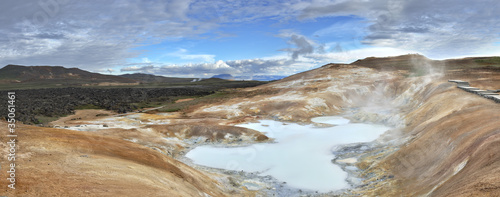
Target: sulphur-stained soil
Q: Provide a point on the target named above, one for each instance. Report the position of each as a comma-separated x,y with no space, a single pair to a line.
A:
57,162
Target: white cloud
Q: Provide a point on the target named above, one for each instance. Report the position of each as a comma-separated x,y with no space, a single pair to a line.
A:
276,65
95,34
439,28
106,70
91,34
185,55
248,67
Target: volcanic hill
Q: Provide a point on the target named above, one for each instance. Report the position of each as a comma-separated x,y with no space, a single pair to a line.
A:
55,74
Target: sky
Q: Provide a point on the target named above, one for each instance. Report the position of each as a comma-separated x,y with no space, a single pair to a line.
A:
202,38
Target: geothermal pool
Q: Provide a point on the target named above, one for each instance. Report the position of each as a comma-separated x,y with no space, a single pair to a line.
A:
301,156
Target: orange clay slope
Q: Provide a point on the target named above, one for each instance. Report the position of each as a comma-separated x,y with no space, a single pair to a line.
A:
453,146
452,149
57,162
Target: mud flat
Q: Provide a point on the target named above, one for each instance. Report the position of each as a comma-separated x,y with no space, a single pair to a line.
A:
301,156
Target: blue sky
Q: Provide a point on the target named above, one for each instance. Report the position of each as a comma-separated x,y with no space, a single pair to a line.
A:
201,38
255,39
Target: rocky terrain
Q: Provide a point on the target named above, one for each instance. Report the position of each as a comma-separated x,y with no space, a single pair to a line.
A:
57,102
445,141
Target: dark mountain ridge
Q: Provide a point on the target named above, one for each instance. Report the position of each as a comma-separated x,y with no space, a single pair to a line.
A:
149,78
46,74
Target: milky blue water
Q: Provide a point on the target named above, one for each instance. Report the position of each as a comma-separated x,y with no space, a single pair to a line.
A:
301,156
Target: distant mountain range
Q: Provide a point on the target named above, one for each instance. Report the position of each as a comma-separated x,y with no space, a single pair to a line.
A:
149,78
248,78
18,76
58,75
55,74
264,77
223,76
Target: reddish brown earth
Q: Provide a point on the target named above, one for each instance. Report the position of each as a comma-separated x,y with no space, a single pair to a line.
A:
451,130
58,162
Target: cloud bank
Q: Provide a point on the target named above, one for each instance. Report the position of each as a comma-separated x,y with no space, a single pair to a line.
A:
101,35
